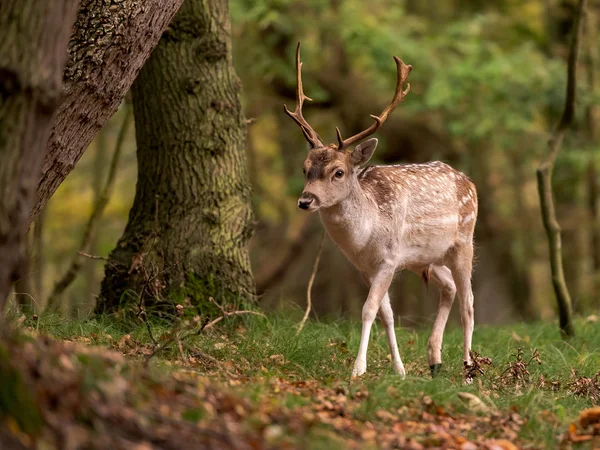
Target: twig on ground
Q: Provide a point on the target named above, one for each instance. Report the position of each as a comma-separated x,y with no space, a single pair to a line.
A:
174,334
181,354
517,372
233,313
310,284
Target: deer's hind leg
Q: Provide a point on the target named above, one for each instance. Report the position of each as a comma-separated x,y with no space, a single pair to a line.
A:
442,276
461,265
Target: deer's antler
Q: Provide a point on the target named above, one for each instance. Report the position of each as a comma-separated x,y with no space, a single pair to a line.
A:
311,135
403,71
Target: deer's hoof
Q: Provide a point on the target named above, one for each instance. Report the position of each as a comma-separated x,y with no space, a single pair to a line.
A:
399,369
360,367
435,369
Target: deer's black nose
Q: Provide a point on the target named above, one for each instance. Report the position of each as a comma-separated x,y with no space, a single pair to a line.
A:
304,203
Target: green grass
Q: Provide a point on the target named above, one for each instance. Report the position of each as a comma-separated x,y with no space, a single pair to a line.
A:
261,350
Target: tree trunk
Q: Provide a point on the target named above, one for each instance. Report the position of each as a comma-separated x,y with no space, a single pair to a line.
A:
111,41
37,263
34,35
191,217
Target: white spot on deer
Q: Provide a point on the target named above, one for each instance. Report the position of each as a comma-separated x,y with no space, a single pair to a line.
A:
469,218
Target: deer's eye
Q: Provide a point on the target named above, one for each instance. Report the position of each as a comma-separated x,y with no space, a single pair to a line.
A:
339,173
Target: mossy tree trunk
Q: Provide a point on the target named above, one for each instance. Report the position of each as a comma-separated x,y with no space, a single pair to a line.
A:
191,217
34,35
110,42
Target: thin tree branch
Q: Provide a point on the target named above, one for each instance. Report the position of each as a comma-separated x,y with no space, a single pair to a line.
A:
87,255
310,284
544,179
63,283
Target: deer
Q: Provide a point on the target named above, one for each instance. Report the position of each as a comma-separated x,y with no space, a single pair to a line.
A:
388,218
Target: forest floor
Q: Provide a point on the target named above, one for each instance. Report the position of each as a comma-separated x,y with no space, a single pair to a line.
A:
250,382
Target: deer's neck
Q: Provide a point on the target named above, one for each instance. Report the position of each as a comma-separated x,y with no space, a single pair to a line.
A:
350,223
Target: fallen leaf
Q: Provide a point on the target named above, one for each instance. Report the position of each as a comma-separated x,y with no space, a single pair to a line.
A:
124,340
501,444
277,359
473,402
589,416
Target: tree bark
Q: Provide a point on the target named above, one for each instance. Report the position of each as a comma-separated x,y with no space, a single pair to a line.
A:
111,40
191,217
34,35
544,178
37,263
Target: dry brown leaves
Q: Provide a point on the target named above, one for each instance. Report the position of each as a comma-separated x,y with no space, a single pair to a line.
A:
476,366
93,398
588,429
517,373
585,387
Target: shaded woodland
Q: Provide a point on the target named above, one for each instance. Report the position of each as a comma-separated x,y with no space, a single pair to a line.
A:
487,87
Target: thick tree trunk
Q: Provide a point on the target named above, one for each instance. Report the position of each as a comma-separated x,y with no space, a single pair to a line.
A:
192,216
34,35
111,41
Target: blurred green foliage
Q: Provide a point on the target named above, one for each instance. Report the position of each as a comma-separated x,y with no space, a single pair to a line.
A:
487,86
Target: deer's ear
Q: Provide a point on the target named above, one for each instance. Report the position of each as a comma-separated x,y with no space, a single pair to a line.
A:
363,152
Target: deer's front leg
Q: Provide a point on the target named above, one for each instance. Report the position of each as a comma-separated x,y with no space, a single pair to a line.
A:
380,283
387,318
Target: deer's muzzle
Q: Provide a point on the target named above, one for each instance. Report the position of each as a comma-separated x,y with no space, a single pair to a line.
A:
308,201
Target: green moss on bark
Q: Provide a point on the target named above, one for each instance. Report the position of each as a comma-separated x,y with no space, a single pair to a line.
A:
191,218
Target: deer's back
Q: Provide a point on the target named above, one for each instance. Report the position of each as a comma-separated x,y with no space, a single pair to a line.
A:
430,207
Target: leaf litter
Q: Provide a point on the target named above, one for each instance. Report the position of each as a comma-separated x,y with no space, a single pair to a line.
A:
95,398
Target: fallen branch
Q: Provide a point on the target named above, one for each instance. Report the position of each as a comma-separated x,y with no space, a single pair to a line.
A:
174,335
544,179
233,313
309,288
63,283
229,313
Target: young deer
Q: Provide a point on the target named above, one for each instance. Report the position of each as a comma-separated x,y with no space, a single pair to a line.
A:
385,219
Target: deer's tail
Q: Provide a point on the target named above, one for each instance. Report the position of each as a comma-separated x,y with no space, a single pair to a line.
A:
427,274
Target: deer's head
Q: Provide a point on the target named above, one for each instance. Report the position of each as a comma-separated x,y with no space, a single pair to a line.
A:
330,171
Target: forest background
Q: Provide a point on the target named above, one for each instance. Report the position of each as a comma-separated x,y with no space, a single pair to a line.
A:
487,86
